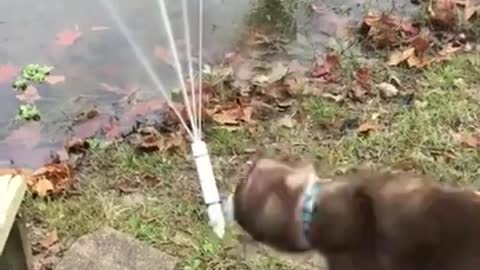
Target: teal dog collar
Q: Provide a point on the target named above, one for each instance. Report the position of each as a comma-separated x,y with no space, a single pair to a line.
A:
308,206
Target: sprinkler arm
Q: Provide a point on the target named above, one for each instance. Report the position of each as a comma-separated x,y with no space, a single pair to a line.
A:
208,185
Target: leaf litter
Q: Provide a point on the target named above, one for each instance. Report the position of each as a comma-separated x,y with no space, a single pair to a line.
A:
411,44
68,37
52,179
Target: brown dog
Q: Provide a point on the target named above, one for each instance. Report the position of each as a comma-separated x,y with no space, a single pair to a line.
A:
363,220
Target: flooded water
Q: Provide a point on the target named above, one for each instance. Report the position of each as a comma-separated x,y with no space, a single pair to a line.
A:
100,68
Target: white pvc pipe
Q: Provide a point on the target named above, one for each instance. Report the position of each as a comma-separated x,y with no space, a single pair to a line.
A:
211,197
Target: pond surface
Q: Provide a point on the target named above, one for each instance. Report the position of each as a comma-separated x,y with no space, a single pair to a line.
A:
83,44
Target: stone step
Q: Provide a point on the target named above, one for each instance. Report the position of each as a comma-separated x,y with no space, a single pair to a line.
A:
12,190
113,250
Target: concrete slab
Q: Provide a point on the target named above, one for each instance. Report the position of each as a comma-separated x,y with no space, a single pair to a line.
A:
113,250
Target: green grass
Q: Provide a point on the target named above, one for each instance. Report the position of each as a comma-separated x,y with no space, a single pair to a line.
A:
167,215
224,141
423,134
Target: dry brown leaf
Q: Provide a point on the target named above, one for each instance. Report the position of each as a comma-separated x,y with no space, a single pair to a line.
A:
29,95
52,178
386,30
164,55
326,68
387,90
398,57
55,79
358,90
421,43
419,62
449,49
442,12
470,140
42,187
75,145
367,127
286,121
470,9
50,239
362,75
233,115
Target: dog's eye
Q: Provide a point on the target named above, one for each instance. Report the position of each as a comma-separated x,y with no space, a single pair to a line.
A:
247,169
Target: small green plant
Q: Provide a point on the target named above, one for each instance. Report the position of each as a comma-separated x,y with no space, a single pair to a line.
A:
20,84
36,72
28,112
95,144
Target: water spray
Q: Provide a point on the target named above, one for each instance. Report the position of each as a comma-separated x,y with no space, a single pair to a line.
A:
211,197
203,164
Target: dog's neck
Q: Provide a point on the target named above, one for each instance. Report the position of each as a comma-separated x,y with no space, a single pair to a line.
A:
305,210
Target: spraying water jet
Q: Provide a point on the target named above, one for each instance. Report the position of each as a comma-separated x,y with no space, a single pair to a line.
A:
201,156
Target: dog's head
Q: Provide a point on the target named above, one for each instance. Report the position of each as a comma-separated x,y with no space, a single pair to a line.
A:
268,201
265,202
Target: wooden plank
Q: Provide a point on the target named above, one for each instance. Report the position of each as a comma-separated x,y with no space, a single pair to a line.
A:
12,190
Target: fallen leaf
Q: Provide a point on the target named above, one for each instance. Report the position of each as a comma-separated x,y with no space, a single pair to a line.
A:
385,30
50,239
387,90
361,84
232,115
164,55
148,139
419,62
398,57
151,181
470,140
362,76
7,73
75,145
286,121
52,178
326,68
99,28
367,127
358,90
42,187
449,49
421,43
68,37
125,186
29,95
470,9
279,70
54,79
408,28
442,13
260,79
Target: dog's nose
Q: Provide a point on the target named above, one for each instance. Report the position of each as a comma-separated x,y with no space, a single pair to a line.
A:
228,207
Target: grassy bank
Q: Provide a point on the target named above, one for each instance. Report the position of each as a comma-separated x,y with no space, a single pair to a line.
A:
155,197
